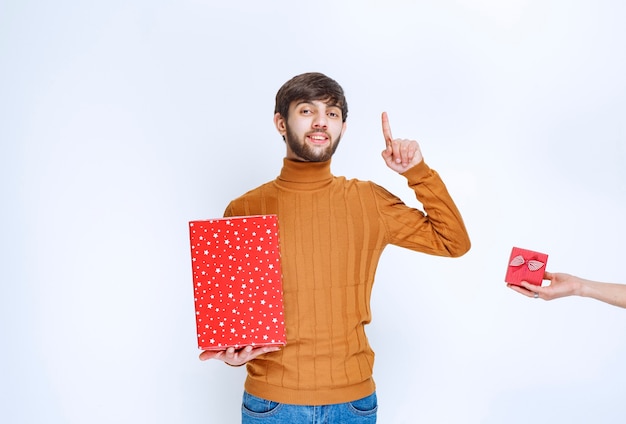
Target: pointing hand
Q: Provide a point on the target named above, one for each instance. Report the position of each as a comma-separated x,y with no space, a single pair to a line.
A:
400,154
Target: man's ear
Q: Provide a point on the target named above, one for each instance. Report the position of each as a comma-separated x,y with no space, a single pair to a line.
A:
280,123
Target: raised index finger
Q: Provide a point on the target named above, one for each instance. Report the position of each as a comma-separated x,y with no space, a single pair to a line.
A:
386,129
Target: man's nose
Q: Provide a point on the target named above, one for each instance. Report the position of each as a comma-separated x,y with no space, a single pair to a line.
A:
320,121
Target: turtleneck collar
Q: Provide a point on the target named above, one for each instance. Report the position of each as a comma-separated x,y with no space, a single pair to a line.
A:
304,175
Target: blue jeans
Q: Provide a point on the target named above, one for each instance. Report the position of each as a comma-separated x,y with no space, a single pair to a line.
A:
255,410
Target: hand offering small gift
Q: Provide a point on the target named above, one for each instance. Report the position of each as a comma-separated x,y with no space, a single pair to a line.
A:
526,265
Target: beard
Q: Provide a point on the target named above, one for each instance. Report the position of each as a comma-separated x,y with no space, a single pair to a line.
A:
307,152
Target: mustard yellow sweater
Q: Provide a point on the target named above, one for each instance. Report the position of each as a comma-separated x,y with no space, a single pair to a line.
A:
332,232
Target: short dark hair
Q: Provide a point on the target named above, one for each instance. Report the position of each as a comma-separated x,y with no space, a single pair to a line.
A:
311,86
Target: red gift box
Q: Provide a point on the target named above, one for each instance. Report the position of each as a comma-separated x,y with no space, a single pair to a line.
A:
526,265
237,282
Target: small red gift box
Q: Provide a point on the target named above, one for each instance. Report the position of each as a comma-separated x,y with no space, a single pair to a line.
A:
237,282
526,265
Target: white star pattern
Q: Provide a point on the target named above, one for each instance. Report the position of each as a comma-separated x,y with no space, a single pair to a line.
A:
241,252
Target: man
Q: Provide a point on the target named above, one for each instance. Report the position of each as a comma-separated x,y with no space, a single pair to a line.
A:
562,285
332,233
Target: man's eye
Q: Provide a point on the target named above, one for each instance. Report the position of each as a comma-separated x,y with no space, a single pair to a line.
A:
333,114
305,111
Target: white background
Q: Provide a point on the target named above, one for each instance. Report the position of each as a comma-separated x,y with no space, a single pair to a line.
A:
120,121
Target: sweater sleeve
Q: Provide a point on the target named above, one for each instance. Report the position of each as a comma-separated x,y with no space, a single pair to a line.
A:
229,210
438,230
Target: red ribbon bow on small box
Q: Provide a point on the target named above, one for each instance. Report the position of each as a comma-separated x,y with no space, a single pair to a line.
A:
526,265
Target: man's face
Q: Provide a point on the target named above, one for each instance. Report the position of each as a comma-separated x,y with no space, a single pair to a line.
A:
312,131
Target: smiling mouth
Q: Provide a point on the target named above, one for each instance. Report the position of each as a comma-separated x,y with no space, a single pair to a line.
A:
318,139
